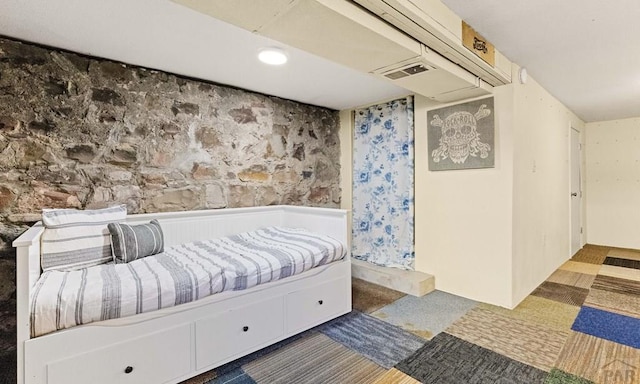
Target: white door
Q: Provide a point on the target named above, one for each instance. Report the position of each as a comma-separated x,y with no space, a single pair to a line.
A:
576,193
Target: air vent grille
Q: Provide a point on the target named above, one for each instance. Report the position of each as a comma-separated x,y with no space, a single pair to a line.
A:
399,74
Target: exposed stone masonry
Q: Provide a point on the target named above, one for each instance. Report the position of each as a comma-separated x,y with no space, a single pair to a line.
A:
79,132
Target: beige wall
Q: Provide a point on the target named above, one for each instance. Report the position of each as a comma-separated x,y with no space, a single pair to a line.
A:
613,183
494,234
541,186
463,218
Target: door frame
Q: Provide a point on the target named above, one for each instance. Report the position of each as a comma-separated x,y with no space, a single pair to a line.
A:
580,189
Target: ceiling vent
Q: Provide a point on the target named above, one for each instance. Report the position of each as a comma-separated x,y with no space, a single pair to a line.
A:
411,70
435,77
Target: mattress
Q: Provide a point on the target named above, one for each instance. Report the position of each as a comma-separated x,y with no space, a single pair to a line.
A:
181,274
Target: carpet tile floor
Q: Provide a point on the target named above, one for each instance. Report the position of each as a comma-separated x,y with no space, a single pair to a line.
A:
378,341
394,376
425,316
581,267
540,311
520,340
620,272
563,293
580,326
607,325
574,279
599,360
557,376
624,254
592,254
314,359
369,297
447,359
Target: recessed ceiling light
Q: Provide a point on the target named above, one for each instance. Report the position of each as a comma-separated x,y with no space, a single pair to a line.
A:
272,56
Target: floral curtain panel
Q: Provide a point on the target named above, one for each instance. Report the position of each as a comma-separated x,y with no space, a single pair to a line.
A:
383,197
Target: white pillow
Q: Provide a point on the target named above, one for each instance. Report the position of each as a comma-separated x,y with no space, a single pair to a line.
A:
75,239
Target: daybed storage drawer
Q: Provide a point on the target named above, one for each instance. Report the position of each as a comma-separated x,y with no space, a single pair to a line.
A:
238,330
313,305
156,358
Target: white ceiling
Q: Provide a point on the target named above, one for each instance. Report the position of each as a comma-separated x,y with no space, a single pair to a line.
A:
585,52
163,35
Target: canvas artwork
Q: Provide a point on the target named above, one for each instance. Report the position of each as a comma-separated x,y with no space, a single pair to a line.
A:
461,136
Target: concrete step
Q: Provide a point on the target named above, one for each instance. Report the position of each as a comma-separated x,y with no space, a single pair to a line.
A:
410,282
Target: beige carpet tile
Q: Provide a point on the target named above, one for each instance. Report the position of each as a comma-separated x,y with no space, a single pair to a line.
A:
539,310
368,297
575,279
599,360
201,378
580,267
523,341
620,272
593,254
314,359
561,293
628,305
629,254
616,285
393,376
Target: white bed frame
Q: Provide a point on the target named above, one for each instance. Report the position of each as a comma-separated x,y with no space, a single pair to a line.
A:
174,344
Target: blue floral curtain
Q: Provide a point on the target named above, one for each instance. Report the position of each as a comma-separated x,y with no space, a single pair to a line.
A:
383,195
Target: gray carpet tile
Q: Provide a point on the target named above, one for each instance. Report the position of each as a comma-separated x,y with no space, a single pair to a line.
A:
425,316
447,359
378,341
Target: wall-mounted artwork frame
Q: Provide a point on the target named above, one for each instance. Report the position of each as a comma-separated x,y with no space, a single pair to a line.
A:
462,136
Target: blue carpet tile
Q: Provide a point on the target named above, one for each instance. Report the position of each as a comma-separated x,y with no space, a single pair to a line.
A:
610,326
376,340
447,359
237,376
617,262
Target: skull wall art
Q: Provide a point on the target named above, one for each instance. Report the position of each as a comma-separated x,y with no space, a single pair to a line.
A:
464,139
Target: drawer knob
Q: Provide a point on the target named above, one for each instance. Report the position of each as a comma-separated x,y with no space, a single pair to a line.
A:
245,328
129,369
320,302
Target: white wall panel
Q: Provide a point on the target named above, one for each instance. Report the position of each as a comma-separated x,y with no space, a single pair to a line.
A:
613,183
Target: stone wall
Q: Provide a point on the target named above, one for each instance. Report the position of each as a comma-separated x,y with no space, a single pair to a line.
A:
79,132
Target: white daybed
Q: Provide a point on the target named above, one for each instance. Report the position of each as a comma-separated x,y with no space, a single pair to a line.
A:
176,343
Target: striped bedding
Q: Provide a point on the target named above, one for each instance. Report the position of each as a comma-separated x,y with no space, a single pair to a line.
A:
181,274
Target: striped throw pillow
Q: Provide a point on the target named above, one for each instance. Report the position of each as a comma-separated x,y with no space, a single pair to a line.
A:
132,242
75,239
